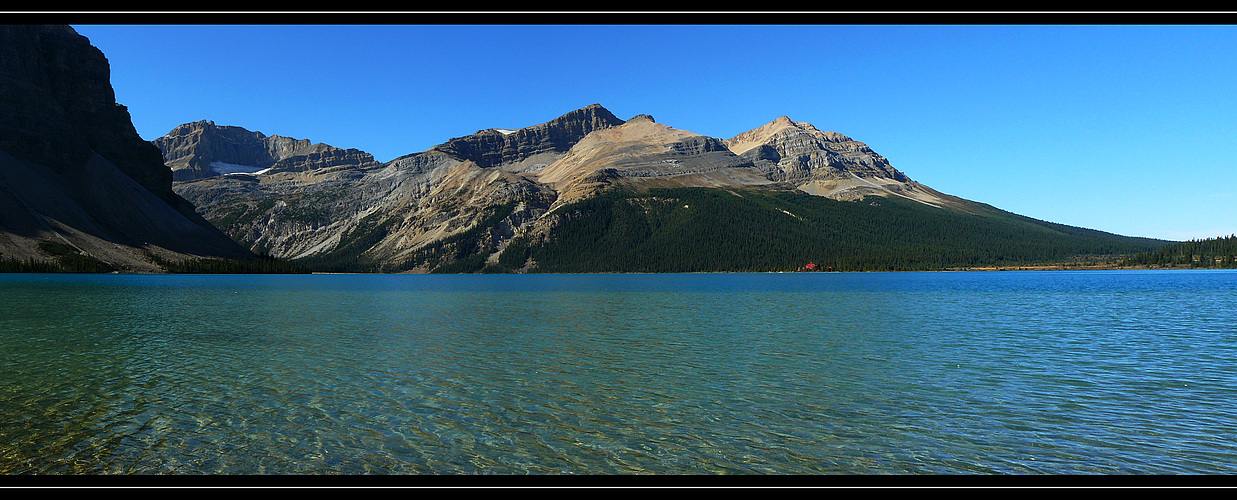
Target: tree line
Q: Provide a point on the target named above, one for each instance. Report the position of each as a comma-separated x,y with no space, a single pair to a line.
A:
1219,252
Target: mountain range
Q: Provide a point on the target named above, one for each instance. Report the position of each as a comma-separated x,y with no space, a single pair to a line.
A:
584,192
460,205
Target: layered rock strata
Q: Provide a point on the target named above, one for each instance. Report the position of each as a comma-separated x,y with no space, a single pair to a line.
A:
202,149
412,200
827,163
644,153
505,147
73,170
60,108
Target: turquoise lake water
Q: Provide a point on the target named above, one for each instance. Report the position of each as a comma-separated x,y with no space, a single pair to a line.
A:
1035,372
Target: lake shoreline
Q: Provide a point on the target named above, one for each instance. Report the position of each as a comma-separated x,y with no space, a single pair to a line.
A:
976,269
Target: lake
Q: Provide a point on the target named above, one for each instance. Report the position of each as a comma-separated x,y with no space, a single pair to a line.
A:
1028,372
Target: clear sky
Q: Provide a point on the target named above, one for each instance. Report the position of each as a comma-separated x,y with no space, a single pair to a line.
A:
1130,129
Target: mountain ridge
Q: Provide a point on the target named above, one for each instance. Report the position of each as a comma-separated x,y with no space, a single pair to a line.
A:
78,187
201,149
493,147
422,211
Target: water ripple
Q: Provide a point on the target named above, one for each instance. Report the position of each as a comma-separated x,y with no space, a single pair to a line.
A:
922,373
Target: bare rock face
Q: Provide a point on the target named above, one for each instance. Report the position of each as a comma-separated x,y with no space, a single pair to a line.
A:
644,153
797,152
495,147
59,106
202,149
73,170
828,164
292,202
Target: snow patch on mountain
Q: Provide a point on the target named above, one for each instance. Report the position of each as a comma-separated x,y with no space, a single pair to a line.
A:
222,168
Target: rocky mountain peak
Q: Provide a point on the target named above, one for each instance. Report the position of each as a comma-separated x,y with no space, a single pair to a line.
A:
784,121
826,163
782,125
642,152
209,126
202,149
592,110
495,147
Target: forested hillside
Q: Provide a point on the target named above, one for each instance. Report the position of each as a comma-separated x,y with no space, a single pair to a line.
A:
703,229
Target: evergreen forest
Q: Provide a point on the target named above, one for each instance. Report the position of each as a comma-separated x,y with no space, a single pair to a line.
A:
1218,252
711,229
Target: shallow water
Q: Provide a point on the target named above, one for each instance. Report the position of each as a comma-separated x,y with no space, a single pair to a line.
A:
1061,372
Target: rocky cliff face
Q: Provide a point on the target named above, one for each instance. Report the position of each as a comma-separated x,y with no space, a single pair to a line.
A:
60,108
298,207
797,152
497,147
73,170
202,149
827,163
644,153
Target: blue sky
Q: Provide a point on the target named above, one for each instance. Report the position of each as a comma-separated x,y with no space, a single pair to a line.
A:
1123,128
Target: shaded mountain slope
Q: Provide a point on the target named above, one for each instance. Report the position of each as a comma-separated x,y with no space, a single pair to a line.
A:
74,174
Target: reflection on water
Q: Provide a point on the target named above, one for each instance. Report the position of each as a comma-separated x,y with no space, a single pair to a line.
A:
924,373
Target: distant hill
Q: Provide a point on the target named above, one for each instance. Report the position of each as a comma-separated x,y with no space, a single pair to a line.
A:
588,192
